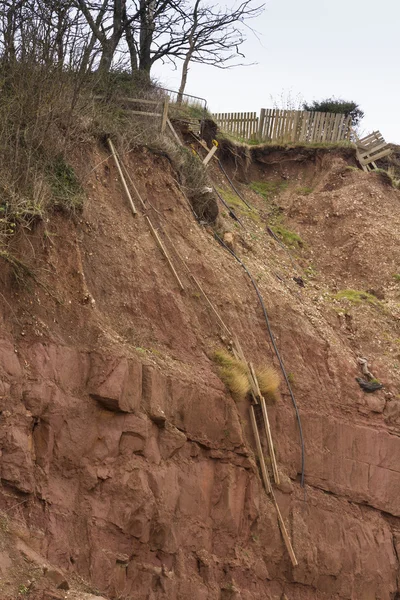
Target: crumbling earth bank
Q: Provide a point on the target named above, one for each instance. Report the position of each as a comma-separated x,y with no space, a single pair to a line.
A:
126,463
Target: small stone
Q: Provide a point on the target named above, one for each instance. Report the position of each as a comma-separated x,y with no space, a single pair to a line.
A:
376,404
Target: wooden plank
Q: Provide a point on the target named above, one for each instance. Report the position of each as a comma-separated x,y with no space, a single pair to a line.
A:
126,189
275,126
144,114
278,125
267,134
347,126
371,142
303,130
164,252
376,156
321,126
320,118
210,155
274,123
342,130
330,124
295,126
325,127
335,128
135,100
285,117
313,122
369,136
372,149
264,471
282,124
289,125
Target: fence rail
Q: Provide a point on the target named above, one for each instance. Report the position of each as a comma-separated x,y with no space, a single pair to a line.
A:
274,125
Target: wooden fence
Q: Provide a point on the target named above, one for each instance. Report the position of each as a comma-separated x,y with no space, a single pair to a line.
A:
371,148
274,125
242,125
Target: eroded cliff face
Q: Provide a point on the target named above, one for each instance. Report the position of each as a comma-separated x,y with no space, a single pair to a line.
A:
124,459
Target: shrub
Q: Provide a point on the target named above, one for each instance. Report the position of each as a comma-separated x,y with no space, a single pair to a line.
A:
337,105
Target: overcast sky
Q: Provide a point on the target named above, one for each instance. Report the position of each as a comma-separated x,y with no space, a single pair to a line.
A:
313,49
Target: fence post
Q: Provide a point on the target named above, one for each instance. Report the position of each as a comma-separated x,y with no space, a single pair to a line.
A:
261,124
165,114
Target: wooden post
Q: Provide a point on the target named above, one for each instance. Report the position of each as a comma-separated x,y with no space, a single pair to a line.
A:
261,124
264,471
269,440
267,427
284,532
114,154
165,114
174,132
142,202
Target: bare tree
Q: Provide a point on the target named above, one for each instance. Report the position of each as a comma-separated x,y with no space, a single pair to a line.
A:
211,34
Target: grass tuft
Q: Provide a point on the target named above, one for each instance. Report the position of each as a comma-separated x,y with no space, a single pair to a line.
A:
268,382
237,204
356,297
290,238
304,191
234,373
268,189
66,190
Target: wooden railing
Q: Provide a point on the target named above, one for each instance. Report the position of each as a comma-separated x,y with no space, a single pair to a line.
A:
274,125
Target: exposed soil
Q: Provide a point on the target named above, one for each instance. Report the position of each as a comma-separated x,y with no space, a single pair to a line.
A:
127,465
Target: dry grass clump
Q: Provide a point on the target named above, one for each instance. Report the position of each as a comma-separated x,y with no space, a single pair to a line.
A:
268,382
234,373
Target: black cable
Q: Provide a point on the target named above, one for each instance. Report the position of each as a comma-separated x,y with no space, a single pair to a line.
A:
233,185
271,335
231,212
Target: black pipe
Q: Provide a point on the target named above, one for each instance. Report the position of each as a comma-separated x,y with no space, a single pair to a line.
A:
271,335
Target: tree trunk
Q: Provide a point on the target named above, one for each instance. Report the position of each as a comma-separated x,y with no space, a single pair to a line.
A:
188,57
185,70
107,55
130,40
146,36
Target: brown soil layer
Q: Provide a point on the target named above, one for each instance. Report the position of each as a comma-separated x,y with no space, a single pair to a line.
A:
126,463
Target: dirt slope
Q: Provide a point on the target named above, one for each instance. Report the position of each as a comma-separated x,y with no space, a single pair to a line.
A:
124,459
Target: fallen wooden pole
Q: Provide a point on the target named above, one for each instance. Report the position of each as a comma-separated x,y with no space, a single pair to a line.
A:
132,184
284,532
127,192
264,470
172,128
224,326
163,250
269,440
